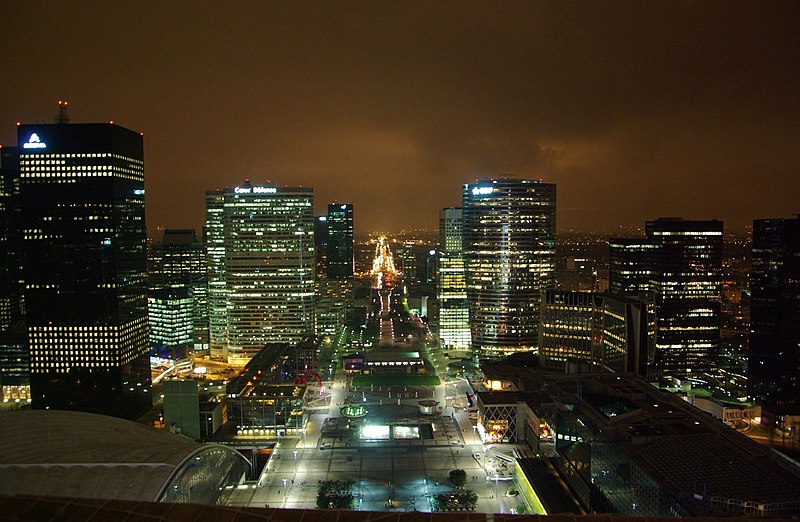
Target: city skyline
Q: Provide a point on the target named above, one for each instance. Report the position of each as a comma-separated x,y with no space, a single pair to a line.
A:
634,111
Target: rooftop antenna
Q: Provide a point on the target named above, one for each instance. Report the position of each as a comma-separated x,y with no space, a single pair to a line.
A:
62,116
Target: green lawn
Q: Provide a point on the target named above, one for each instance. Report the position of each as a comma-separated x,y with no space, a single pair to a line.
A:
396,380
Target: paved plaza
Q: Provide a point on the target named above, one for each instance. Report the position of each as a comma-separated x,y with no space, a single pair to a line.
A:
396,475
406,475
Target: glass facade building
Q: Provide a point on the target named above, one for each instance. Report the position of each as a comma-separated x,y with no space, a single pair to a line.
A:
607,333
13,337
85,267
774,356
340,241
260,244
454,329
171,314
180,261
678,266
509,228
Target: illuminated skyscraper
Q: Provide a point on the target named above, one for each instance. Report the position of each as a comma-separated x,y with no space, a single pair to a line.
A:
340,241
774,356
85,262
171,314
179,261
321,245
678,267
509,254
451,283
260,241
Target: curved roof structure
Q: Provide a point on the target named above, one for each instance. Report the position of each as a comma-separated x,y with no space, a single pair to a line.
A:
83,455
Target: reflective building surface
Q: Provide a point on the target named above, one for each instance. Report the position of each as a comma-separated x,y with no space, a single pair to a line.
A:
340,241
509,255
85,267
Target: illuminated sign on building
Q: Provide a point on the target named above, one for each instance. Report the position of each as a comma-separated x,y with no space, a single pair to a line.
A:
34,143
481,191
255,190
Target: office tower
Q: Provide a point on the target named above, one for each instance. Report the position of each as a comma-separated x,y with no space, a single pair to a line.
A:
602,333
509,254
85,267
630,266
340,241
678,265
260,241
171,317
180,261
774,357
451,285
321,245
13,336
418,262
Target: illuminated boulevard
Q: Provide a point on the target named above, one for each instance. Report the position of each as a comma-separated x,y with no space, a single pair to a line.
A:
393,475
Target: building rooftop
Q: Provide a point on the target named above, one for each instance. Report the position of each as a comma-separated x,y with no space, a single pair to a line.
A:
75,454
684,449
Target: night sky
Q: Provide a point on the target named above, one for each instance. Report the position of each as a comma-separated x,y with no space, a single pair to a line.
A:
635,109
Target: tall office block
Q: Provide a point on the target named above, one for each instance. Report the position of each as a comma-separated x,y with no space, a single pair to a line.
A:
260,241
631,266
171,317
606,333
13,336
678,267
321,245
179,261
509,254
687,277
333,236
774,357
85,267
340,241
451,285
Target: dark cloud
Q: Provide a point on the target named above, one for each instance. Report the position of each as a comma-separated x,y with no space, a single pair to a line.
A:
635,109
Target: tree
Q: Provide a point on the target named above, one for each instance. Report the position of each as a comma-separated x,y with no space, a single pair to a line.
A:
458,477
335,494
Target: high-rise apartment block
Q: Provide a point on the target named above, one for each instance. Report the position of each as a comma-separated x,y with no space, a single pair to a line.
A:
451,285
85,267
585,331
179,261
509,228
260,244
678,265
774,356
